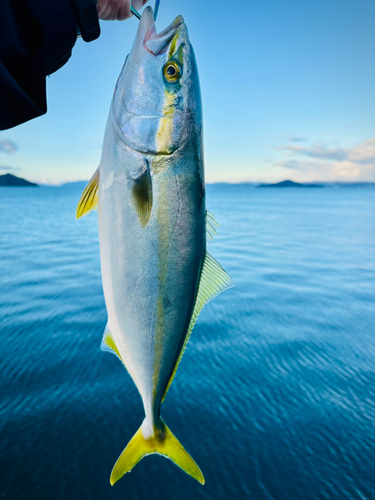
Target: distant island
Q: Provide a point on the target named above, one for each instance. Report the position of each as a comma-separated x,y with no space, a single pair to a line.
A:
10,180
75,184
287,184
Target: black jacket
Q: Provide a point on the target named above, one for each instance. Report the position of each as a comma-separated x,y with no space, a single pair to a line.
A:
36,39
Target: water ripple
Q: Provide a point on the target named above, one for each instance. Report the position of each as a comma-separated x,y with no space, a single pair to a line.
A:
275,396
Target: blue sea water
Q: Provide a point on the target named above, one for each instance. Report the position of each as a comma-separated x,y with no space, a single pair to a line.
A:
275,395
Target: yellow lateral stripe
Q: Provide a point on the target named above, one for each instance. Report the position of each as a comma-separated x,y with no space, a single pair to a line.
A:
164,229
164,133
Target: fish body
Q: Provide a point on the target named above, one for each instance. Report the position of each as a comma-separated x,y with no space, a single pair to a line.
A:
150,193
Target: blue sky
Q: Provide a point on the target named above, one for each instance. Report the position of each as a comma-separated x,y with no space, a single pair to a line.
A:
288,92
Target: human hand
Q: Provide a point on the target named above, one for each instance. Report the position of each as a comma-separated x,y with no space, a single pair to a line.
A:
117,10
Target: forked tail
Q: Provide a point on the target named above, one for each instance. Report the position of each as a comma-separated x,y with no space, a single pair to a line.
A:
162,442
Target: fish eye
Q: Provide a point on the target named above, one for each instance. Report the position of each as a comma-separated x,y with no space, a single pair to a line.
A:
172,72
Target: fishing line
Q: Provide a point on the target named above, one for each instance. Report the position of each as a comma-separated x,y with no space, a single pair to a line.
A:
135,12
156,10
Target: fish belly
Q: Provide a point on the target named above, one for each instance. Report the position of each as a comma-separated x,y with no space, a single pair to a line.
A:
150,274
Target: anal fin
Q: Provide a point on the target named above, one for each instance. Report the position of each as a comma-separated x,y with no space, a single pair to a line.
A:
108,344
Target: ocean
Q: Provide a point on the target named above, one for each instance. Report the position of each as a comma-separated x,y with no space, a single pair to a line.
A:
275,395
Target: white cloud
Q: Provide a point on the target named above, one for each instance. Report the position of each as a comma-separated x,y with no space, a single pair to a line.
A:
7,146
320,162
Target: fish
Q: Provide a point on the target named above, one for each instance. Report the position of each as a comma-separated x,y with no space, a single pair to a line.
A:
149,190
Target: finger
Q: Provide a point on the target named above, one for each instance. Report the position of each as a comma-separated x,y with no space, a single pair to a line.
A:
123,10
111,10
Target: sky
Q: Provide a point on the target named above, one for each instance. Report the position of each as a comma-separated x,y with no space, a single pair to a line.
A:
288,91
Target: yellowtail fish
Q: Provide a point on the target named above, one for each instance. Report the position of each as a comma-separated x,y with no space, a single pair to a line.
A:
150,193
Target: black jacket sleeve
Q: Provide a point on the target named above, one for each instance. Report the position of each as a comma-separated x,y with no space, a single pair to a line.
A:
36,39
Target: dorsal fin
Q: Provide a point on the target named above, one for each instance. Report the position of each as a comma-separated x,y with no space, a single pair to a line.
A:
213,280
89,197
211,225
108,344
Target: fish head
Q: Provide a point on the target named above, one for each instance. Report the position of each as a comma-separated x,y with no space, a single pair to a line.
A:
157,97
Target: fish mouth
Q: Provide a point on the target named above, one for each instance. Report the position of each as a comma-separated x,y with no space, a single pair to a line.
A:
156,42
138,109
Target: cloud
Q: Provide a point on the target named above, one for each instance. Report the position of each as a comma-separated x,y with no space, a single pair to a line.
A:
7,146
320,162
318,151
296,139
9,169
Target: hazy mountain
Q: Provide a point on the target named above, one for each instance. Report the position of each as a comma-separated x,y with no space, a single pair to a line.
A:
287,184
10,180
76,184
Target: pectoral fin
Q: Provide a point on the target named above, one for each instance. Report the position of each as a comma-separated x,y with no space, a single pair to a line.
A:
213,280
142,196
89,198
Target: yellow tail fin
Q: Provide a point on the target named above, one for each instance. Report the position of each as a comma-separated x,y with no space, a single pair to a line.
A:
162,442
